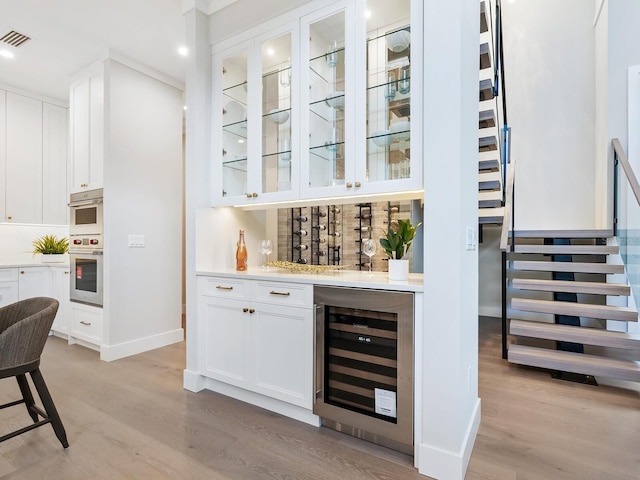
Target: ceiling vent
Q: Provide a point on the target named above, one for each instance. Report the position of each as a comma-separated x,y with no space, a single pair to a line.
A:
14,38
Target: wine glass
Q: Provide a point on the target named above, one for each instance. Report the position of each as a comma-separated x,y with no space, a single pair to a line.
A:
369,249
265,247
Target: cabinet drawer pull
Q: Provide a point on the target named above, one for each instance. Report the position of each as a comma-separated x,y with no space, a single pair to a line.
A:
283,294
220,287
245,309
85,323
358,185
252,310
349,185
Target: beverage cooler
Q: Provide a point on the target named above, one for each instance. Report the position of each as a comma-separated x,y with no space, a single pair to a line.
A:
364,364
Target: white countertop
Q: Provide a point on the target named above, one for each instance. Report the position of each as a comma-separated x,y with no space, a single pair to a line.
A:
339,278
29,260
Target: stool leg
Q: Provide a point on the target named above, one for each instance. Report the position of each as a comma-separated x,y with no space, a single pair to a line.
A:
27,396
49,407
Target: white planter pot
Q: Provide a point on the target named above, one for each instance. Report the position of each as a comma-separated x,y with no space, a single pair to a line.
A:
398,270
53,258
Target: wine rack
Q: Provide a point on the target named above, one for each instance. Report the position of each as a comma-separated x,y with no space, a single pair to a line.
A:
316,235
363,229
299,235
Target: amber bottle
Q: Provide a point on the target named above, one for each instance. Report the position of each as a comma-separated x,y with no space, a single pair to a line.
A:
241,254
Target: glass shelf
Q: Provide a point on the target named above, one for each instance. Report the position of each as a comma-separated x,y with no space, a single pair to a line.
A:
325,56
277,112
239,164
237,92
328,151
238,128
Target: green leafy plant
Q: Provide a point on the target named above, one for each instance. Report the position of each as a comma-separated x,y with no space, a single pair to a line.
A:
50,244
398,238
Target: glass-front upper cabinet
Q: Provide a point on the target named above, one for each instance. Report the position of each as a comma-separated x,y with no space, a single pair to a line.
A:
392,80
328,73
255,135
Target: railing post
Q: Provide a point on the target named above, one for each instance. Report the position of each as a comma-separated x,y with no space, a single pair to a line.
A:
615,193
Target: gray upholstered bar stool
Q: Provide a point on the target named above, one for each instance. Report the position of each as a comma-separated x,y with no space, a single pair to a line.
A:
24,327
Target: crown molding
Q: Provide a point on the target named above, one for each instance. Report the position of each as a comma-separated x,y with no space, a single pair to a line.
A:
206,6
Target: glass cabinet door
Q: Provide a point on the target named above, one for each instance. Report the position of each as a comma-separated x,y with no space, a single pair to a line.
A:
388,90
234,124
277,114
326,109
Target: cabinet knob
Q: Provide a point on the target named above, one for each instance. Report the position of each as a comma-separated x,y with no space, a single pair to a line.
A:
349,185
252,310
255,195
21,272
358,185
248,195
245,309
9,217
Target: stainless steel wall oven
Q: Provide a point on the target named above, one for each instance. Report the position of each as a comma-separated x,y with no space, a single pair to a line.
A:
86,247
364,364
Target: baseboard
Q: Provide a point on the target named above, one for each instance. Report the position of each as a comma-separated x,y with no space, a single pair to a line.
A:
283,408
489,311
446,465
192,381
133,347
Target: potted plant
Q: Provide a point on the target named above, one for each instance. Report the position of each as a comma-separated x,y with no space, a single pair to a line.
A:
396,243
51,247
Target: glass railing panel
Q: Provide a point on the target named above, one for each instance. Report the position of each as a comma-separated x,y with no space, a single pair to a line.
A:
628,231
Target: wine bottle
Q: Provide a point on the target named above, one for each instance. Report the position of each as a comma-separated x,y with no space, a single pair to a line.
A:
320,227
320,253
335,222
301,247
319,240
335,210
241,254
320,214
335,234
393,209
302,260
363,264
364,216
301,218
302,233
363,228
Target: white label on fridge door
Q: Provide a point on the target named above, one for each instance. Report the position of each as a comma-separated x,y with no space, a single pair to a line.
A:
385,402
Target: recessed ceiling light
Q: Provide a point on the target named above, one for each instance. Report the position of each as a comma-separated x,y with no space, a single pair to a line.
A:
6,54
367,14
184,51
240,140
271,52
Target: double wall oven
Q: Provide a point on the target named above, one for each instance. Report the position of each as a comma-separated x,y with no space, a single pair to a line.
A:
86,246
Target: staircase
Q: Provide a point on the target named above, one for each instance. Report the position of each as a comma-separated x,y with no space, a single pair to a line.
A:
490,119
558,309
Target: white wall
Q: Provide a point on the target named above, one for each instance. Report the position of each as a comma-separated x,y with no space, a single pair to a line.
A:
550,62
143,196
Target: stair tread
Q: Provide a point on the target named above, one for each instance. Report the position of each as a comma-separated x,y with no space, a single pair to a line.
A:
562,233
576,267
574,362
568,249
491,212
569,286
567,333
607,312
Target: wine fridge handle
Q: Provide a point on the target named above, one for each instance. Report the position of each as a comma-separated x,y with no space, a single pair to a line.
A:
318,353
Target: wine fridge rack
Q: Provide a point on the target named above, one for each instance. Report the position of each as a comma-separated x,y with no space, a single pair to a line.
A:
316,235
364,217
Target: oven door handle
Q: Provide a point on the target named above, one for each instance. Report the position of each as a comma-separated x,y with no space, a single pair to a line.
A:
92,252
82,203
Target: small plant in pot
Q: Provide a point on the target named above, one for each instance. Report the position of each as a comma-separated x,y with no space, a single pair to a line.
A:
396,243
51,247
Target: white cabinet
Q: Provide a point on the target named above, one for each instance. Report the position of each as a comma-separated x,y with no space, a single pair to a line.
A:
87,130
60,286
33,160
34,282
8,286
23,182
54,165
85,324
328,116
258,335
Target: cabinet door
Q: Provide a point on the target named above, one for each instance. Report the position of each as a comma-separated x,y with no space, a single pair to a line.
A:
86,323
327,127
60,286
8,293
226,340
23,159
34,282
87,131
391,159
282,353
54,165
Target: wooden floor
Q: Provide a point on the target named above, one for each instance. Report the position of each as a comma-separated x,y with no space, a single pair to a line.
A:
131,419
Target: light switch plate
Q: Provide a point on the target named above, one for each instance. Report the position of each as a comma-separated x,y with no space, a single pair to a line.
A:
471,239
136,241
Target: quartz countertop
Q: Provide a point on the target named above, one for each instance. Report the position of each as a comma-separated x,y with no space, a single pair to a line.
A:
339,278
29,260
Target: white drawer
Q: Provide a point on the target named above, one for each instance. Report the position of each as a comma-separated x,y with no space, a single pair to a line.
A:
86,323
8,293
224,287
280,293
8,274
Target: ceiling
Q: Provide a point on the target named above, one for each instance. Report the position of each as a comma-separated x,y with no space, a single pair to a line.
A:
68,35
